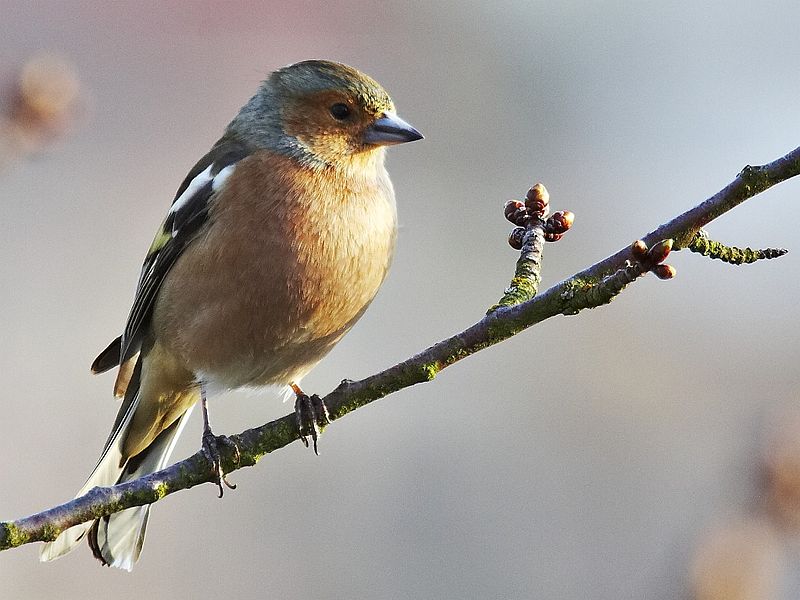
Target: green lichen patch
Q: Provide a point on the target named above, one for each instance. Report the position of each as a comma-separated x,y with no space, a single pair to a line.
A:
11,536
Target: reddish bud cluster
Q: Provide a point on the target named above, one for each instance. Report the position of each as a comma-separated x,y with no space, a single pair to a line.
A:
535,207
652,259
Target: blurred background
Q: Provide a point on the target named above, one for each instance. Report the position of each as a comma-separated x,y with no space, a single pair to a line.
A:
648,449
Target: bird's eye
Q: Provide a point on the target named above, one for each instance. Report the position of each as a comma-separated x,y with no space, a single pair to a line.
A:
340,111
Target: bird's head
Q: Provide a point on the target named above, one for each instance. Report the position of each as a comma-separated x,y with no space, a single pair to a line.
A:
333,113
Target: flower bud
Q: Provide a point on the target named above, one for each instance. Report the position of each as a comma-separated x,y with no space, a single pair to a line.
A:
559,222
515,238
537,200
639,249
664,271
510,209
658,253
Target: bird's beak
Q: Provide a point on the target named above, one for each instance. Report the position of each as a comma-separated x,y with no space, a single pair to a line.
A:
390,129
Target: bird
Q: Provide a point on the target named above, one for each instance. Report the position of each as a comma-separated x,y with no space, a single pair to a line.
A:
275,244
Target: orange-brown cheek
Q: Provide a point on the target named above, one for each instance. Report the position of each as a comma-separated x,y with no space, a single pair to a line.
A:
308,116
330,146
297,124
324,142
308,121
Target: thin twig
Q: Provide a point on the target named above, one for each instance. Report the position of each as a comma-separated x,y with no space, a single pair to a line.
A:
528,271
732,255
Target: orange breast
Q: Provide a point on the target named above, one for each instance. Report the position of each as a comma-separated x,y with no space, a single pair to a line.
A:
290,261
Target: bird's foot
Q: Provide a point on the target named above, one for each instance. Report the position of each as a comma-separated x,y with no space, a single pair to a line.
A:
210,449
312,416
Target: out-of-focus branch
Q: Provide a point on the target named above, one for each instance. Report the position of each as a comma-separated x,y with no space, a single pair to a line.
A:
591,287
41,106
749,554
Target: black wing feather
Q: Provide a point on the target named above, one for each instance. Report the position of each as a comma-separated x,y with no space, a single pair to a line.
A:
178,230
108,358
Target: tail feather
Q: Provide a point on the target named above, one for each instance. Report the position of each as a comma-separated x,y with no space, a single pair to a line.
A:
117,539
107,472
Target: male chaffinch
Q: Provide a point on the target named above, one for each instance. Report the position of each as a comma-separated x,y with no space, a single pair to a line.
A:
275,244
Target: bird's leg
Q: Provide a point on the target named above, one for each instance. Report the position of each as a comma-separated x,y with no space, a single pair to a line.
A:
209,447
312,415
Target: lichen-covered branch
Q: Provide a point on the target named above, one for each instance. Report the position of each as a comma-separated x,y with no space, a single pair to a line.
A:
582,290
528,271
533,229
704,245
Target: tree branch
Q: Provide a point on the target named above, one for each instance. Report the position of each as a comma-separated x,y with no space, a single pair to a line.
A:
591,287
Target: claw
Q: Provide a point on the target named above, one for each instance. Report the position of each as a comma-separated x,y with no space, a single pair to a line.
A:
211,450
210,447
312,414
